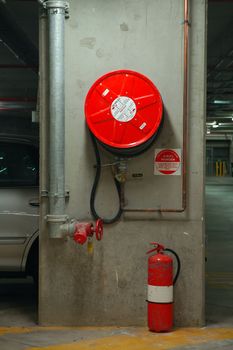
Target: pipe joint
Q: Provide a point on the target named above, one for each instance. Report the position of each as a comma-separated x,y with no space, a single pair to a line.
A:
68,228
57,195
56,6
188,22
55,222
57,219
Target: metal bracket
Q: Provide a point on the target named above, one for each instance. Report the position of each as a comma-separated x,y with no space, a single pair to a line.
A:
45,193
42,12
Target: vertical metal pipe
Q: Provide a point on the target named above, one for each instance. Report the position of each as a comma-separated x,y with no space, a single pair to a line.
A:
43,115
56,11
43,110
185,103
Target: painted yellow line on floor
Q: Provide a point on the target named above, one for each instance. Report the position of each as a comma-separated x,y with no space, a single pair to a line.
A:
15,330
141,339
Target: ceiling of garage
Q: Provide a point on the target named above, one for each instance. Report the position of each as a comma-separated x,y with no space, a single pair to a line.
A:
18,65
220,67
19,62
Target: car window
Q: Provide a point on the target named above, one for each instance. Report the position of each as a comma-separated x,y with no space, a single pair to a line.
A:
19,165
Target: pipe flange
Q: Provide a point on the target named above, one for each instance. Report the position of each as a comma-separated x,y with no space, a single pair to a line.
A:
44,193
68,228
49,4
57,219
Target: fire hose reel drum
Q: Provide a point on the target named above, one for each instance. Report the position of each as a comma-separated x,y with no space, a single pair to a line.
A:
124,112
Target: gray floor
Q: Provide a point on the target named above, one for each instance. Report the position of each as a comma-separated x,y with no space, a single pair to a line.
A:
219,237
18,302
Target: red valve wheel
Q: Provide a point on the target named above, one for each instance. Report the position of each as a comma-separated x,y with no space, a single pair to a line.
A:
99,229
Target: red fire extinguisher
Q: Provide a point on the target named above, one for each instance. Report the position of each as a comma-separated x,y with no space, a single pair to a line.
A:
160,288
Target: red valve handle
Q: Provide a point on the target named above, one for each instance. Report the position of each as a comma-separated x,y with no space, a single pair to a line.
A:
157,248
99,229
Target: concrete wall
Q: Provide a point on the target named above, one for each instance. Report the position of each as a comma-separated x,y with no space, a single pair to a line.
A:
108,287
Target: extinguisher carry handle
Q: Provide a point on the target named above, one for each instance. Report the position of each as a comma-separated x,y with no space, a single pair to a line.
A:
178,264
157,248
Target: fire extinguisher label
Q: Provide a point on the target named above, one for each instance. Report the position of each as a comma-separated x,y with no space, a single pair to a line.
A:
160,294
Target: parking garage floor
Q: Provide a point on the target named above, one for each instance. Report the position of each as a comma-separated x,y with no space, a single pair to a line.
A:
36,338
219,249
19,331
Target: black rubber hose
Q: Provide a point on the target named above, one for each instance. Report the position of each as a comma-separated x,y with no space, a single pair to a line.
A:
95,185
178,263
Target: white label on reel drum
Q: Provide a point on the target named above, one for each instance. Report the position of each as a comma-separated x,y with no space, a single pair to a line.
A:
123,109
106,91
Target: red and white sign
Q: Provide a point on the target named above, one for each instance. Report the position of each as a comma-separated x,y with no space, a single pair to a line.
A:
167,162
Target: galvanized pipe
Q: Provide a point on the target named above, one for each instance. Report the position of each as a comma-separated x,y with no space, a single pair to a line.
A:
186,24
43,115
56,12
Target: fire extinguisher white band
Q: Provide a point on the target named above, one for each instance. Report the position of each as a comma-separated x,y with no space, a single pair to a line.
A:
160,294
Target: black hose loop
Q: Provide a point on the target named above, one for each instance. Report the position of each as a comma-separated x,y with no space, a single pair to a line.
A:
95,185
178,264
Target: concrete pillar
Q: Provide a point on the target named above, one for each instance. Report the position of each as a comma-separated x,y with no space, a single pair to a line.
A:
108,287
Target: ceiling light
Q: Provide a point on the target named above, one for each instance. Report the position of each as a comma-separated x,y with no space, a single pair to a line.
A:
208,131
211,123
215,126
223,102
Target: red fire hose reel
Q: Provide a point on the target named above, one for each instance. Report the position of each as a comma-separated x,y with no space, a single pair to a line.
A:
124,111
83,230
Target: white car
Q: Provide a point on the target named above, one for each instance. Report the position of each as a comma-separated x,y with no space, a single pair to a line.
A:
19,178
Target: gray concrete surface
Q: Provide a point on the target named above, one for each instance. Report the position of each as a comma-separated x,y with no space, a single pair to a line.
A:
108,287
18,302
219,266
